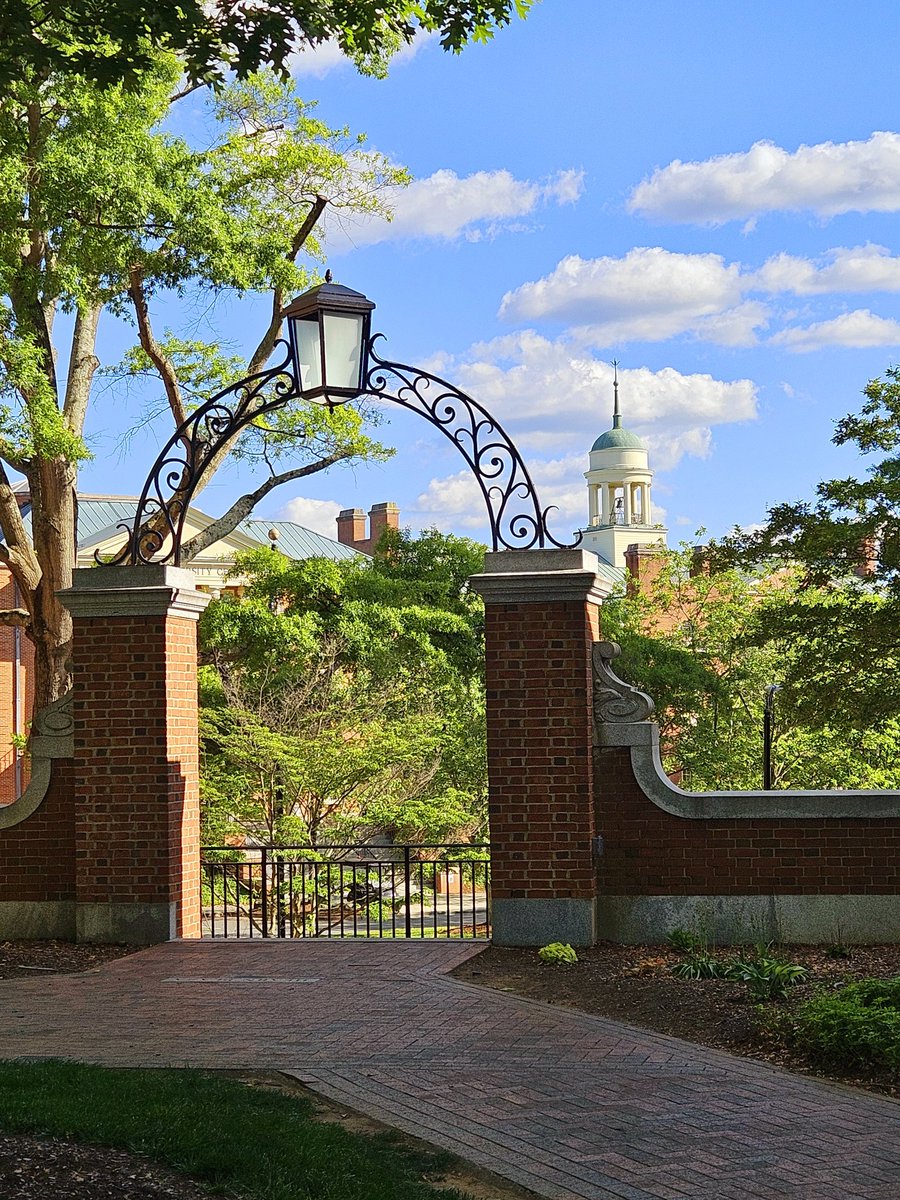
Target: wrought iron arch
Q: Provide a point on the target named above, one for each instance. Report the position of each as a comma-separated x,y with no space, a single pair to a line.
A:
516,518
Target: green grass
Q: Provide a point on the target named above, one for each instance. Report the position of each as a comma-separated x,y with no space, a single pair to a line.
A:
246,1141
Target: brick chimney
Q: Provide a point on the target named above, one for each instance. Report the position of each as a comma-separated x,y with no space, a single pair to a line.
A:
351,525
867,566
382,517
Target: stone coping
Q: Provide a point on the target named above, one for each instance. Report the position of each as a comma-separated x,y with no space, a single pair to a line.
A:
642,738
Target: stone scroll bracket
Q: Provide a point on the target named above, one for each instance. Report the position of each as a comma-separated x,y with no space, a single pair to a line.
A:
52,736
615,701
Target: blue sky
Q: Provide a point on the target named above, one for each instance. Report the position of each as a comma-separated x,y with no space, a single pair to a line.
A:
709,193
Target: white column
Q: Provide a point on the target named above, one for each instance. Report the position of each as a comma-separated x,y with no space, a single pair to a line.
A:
626,493
648,517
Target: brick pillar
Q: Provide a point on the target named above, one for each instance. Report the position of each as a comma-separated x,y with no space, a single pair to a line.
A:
137,821
541,619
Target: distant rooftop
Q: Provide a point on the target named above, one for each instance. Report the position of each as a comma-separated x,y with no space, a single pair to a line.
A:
103,514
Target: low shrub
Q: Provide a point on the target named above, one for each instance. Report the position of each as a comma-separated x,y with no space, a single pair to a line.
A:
767,978
557,952
686,942
700,965
855,1028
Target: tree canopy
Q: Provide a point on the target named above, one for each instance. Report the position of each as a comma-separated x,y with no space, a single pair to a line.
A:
116,40
342,699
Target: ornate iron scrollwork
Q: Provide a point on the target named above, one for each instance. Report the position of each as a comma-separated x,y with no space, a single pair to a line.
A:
615,701
516,518
156,531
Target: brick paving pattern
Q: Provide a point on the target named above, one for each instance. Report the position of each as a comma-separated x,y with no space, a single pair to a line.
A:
568,1105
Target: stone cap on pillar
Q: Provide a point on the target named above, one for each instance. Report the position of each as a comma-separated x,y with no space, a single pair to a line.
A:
151,590
539,576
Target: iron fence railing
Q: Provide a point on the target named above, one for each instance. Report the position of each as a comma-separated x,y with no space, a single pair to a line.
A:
350,891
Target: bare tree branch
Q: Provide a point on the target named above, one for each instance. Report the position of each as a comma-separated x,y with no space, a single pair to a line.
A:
261,354
244,506
152,348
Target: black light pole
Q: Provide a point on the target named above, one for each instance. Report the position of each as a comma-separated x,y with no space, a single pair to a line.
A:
768,720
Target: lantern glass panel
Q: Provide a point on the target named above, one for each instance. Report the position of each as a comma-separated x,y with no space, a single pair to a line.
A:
309,353
343,347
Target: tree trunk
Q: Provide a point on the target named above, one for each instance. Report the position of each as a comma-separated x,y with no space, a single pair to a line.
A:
53,484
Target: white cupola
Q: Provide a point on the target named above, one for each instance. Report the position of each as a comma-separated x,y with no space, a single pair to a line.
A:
619,479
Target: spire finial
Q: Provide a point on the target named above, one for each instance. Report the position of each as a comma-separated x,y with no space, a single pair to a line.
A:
617,419
328,276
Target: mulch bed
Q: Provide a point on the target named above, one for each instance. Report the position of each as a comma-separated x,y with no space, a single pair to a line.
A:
49,1169
31,960
635,984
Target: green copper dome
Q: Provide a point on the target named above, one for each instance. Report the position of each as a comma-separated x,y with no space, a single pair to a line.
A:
618,439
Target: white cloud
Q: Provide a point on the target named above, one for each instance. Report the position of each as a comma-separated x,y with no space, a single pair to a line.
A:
653,294
827,179
319,515
649,294
866,268
452,503
553,397
855,329
448,206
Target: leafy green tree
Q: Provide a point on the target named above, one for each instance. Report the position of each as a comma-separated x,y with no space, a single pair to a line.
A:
700,642
115,40
345,699
103,208
843,621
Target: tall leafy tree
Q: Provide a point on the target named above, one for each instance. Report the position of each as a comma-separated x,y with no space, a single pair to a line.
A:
843,622
104,208
341,699
115,40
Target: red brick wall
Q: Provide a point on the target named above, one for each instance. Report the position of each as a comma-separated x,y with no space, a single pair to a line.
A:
9,777
38,855
136,763
651,852
539,748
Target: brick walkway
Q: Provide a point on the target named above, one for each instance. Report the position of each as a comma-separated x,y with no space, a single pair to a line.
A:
565,1104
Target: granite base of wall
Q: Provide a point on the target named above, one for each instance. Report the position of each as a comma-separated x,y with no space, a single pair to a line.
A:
37,920
539,922
817,920
126,924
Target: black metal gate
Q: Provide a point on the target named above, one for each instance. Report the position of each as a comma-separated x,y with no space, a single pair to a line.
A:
415,891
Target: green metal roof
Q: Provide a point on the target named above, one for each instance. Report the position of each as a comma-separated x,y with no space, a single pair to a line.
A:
296,541
618,439
102,514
